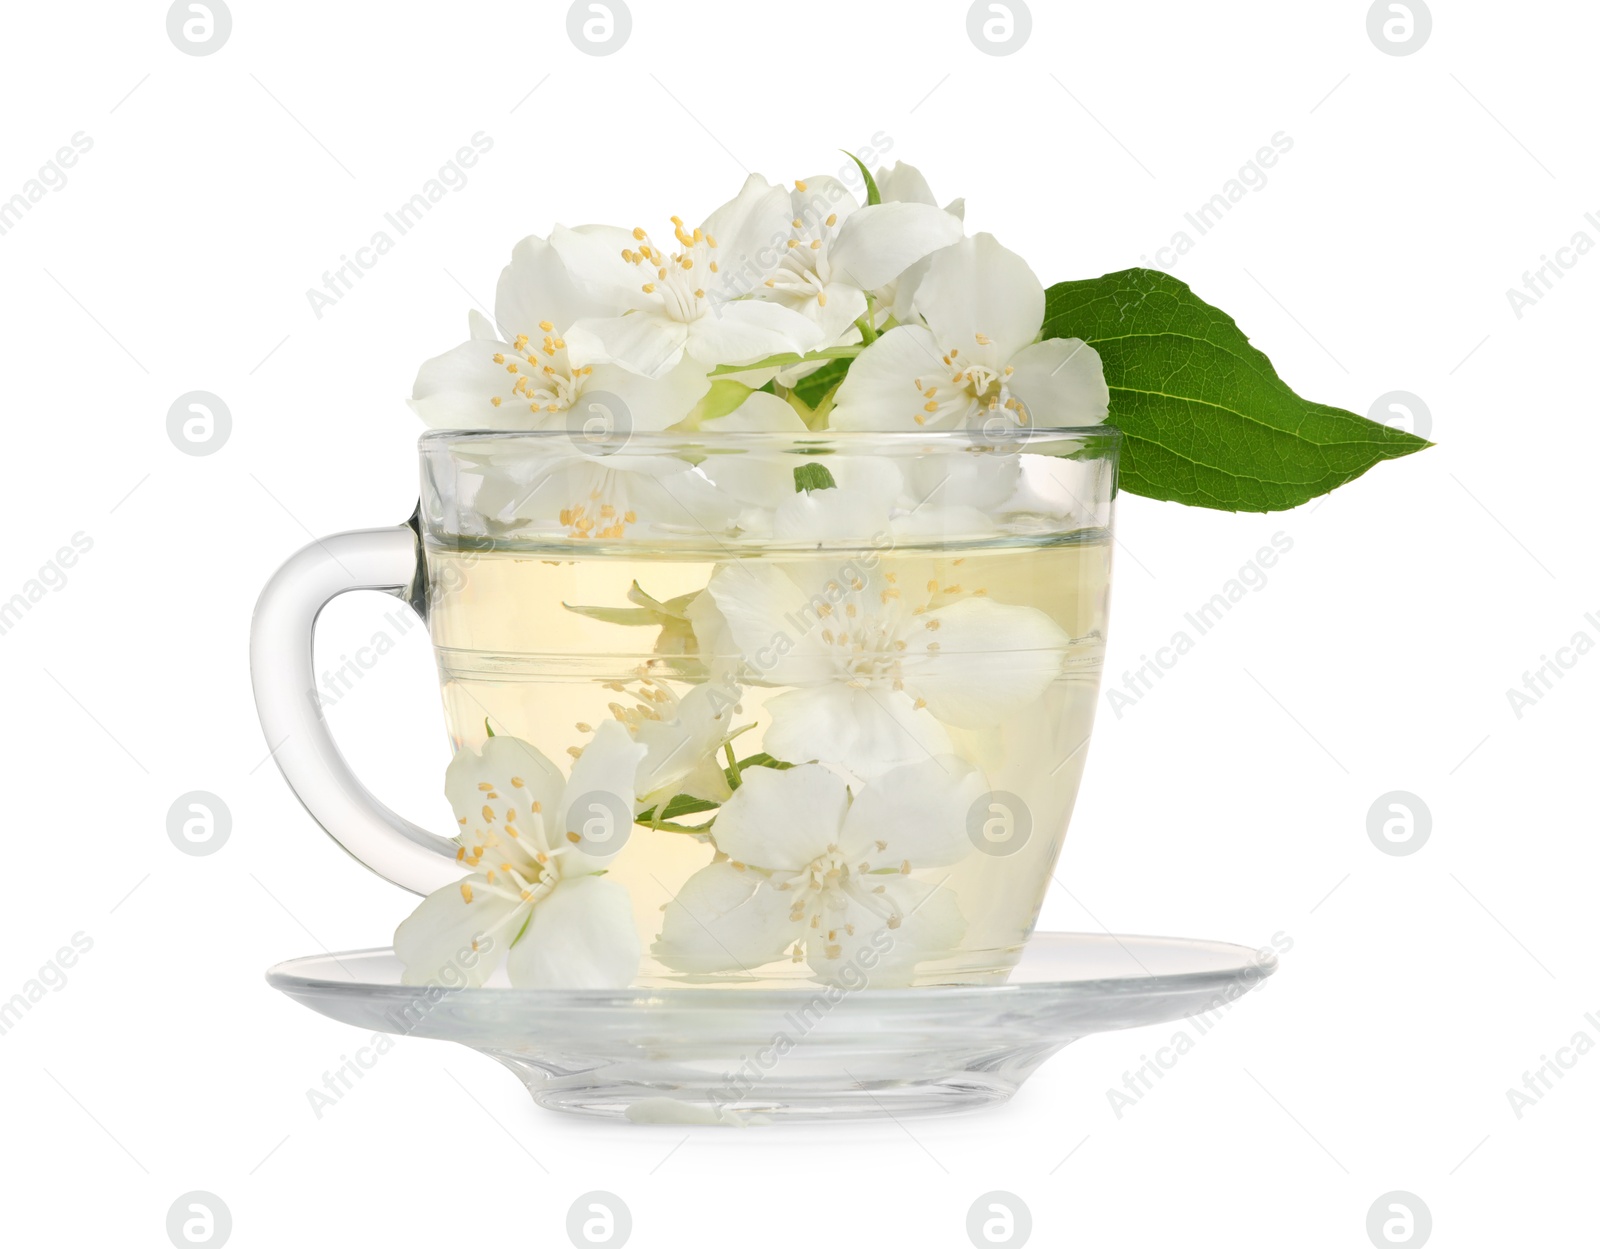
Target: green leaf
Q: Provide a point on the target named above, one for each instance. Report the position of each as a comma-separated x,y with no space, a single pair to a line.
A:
872,187
814,387
616,615
682,804
650,610
813,477
722,398
763,760
668,607
666,826
487,727
1206,419
784,359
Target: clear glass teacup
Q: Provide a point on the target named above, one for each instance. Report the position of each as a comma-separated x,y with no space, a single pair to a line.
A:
736,708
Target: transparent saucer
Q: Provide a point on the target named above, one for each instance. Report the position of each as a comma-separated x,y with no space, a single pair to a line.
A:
736,1056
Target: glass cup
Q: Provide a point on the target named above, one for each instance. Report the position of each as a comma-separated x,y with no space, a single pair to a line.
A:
793,706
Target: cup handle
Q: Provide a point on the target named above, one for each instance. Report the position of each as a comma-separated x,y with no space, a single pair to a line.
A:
281,670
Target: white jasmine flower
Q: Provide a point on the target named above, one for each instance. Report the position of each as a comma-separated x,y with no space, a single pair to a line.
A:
882,655
676,305
903,183
600,497
524,375
762,481
975,357
838,252
682,736
533,900
817,872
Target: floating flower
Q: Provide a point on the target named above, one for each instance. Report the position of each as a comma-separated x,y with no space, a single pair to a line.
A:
838,252
678,304
974,359
903,183
525,376
810,870
533,899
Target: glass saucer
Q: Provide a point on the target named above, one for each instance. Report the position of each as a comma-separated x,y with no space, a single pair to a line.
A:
737,1056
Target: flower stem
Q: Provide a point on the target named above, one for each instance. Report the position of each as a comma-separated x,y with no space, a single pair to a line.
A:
735,777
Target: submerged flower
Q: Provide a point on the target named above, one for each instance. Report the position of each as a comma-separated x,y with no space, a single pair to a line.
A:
676,638
679,304
533,898
975,358
600,497
761,478
882,656
525,376
681,736
809,870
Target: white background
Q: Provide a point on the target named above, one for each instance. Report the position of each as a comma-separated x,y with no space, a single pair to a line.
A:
1230,802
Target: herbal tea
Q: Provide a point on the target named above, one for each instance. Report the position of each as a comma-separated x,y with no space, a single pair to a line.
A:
849,764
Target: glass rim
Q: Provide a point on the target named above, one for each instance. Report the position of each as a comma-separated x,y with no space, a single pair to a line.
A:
1038,438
